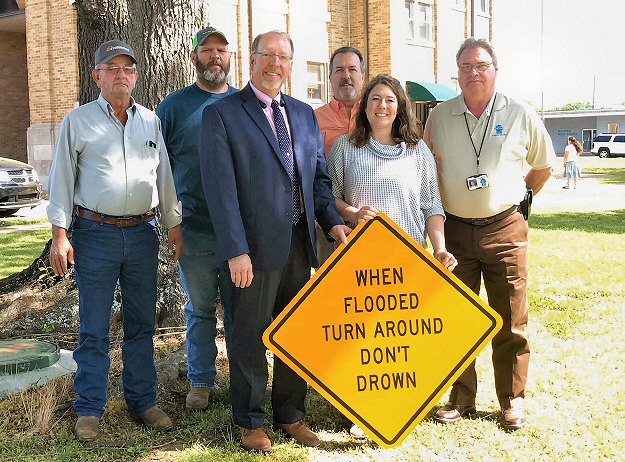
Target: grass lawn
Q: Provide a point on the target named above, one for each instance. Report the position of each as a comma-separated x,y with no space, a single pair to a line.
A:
19,249
575,395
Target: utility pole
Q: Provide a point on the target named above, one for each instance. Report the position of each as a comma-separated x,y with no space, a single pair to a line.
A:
594,85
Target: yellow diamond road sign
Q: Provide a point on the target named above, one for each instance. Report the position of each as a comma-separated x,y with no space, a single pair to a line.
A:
382,330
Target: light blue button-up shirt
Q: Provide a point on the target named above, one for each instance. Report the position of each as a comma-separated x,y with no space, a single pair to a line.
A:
110,168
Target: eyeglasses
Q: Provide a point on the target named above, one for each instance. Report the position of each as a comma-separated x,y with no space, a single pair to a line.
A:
114,70
480,67
269,56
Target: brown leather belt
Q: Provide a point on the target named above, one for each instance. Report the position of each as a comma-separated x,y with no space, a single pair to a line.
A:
485,221
122,222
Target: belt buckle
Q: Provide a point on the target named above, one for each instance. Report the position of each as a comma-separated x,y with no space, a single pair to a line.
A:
480,221
123,222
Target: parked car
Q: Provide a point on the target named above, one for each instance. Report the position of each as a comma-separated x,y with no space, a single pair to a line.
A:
609,145
19,186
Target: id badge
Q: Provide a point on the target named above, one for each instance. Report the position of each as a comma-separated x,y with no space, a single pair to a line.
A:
477,182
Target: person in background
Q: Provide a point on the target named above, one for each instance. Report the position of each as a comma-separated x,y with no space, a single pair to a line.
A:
482,141
347,75
265,179
110,178
181,119
572,152
385,165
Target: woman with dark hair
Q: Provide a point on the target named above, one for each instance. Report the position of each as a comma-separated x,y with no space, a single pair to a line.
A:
571,161
384,165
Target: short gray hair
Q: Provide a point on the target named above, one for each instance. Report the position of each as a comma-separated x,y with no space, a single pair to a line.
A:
471,43
256,41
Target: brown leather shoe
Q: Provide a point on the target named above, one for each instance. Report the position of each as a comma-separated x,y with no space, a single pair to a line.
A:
514,417
451,413
154,418
197,398
87,428
300,432
255,439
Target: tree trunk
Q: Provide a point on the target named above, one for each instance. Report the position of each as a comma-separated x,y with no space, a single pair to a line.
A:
160,32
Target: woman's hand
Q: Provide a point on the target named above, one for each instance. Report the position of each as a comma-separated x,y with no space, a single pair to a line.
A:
365,213
446,259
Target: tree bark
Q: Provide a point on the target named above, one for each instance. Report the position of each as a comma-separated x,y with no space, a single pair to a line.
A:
159,31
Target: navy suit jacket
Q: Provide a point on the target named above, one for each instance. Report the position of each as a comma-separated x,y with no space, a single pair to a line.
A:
247,186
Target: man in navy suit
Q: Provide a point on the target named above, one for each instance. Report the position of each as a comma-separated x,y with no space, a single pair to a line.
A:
265,181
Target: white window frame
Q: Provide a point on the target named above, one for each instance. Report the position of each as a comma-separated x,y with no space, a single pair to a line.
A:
321,83
482,8
233,75
420,26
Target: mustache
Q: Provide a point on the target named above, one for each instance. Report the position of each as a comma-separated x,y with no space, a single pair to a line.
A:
347,82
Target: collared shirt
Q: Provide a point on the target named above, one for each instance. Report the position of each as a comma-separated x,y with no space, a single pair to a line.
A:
181,121
514,136
334,121
110,168
266,100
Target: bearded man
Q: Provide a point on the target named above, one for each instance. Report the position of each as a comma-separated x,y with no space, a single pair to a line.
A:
181,118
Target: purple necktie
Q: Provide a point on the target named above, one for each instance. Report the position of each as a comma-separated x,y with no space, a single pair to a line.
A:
287,153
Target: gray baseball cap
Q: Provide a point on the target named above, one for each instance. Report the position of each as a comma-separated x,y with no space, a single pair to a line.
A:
108,50
199,38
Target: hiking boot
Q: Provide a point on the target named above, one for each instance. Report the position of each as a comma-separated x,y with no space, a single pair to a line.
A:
154,418
87,428
197,398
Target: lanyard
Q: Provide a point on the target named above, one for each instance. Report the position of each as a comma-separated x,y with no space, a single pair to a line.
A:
477,153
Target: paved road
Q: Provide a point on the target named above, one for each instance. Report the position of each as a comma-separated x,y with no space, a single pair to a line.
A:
36,213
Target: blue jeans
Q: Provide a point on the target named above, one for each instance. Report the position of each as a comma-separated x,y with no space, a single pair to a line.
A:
202,279
103,255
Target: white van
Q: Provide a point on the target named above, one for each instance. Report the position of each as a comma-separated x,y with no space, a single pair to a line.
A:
609,145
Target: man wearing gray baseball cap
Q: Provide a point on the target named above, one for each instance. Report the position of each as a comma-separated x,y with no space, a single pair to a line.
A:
112,48
110,180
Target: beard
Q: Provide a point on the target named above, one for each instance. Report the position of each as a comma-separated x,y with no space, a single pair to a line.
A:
271,85
347,91
215,78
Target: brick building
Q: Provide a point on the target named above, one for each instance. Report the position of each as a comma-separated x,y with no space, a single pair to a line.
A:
413,40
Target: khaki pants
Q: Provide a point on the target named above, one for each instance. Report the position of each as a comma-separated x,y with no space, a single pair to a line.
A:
498,253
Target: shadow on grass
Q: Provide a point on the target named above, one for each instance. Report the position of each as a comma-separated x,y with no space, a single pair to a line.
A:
609,221
607,175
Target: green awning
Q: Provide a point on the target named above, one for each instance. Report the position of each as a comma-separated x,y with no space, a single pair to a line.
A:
428,91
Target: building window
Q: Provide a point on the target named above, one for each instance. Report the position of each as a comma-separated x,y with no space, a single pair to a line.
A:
317,84
419,20
233,75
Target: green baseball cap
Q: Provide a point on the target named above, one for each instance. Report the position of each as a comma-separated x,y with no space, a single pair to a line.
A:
199,38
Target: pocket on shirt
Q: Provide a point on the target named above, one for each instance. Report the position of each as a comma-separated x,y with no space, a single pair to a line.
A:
151,154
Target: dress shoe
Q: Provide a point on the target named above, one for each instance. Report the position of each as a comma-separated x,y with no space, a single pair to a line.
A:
255,439
154,418
300,432
87,428
356,432
451,413
514,417
197,398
